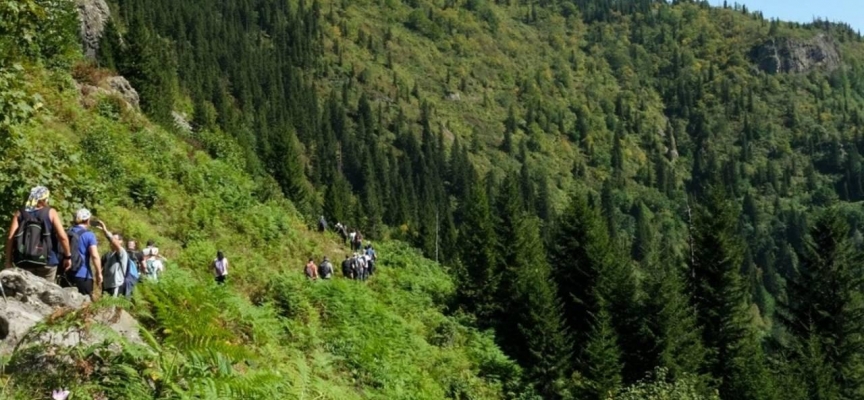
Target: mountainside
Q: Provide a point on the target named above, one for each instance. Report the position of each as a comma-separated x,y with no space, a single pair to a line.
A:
613,189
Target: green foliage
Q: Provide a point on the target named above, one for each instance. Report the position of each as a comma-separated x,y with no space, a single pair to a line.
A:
660,387
824,311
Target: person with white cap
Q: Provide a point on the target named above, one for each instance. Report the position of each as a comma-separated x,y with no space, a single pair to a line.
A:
89,275
36,236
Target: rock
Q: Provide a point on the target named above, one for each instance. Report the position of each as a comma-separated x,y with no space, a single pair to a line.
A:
93,15
454,96
31,299
788,55
120,86
181,121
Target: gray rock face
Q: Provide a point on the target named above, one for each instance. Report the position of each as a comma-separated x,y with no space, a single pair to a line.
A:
93,14
797,56
124,89
30,299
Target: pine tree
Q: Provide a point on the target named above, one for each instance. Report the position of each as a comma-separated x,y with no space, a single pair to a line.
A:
543,346
720,298
477,276
824,312
643,233
670,319
602,358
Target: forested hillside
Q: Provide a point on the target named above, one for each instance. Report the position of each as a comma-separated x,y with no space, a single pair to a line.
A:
617,188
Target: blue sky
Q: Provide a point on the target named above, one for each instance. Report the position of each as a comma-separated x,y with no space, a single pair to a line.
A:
849,11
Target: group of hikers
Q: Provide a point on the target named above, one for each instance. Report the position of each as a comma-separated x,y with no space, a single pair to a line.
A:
358,266
37,242
354,238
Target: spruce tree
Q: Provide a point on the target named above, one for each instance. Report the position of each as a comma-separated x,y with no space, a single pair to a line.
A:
670,320
543,347
735,356
824,313
601,359
477,276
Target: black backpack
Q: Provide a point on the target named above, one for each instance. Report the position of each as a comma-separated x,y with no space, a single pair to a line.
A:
74,240
32,240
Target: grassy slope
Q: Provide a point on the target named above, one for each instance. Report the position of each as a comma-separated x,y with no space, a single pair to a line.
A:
270,333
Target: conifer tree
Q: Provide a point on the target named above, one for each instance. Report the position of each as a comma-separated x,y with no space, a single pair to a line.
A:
720,298
824,313
543,346
601,360
477,276
670,320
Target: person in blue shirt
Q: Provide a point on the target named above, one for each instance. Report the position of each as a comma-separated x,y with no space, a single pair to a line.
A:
90,274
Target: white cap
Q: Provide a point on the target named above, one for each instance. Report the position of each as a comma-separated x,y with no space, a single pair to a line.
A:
82,215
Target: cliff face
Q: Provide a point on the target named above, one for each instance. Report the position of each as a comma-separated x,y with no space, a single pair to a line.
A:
94,15
797,56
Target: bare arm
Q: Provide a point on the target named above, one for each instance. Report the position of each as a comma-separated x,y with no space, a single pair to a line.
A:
96,263
10,239
115,243
61,233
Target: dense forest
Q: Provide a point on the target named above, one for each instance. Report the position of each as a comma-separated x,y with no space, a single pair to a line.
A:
619,189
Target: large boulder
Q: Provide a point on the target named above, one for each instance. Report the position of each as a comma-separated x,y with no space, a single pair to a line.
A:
790,55
93,16
29,300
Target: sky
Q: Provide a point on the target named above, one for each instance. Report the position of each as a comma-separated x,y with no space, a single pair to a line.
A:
849,11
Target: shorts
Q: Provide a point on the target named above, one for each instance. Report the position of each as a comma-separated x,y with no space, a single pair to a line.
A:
48,272
84,285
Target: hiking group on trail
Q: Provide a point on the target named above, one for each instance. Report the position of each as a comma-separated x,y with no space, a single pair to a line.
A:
358,266
38,243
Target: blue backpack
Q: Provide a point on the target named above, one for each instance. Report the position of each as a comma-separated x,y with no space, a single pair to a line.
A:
132,274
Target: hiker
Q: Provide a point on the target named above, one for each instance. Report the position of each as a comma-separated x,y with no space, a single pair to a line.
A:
133,274
325,270
153,262
371,259
85,272
322,224
115,263
360,266
311,270
34,235
220,267
358,241
351,237
348,267
343,232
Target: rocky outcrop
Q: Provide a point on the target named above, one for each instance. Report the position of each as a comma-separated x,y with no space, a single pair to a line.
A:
93,16
30,300
121,87
112,86
788,55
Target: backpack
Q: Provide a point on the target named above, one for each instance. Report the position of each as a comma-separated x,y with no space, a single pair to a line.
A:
111,274
32,239
74,240
132,274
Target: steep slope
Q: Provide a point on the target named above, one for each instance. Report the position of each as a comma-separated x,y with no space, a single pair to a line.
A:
676,155
269,333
